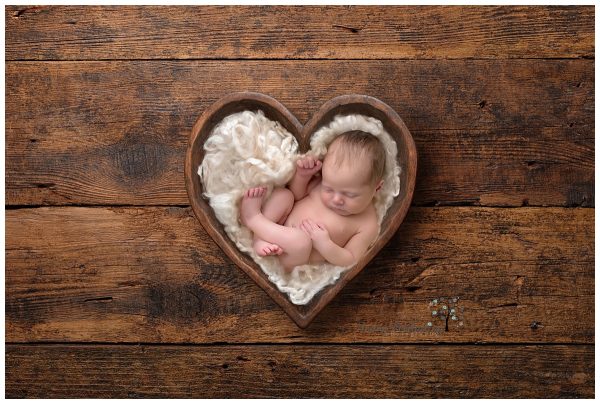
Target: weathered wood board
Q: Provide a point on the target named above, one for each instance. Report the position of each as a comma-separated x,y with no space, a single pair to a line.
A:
314,371
71,139
154,275
325,32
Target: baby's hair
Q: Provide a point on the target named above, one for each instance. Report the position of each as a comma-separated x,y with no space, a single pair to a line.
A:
357,144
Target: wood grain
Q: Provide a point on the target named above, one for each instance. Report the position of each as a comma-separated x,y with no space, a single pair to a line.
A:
490,133
153,275
100,102
343,32
268,371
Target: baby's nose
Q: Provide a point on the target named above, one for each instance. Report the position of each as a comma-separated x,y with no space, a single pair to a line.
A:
337,199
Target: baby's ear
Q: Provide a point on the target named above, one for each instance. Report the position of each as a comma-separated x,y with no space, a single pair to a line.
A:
379,186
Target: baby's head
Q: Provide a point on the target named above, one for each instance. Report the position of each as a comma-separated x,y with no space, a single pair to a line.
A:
352,172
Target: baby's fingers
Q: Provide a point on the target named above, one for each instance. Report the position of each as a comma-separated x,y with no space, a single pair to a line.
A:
304,229
309,224
301,163
307,162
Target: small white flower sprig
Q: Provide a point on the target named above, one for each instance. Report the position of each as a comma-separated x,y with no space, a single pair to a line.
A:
446,309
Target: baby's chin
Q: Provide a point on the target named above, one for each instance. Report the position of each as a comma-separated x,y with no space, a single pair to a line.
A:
340,212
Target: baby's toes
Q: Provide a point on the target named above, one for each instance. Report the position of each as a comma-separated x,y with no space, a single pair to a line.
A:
255,192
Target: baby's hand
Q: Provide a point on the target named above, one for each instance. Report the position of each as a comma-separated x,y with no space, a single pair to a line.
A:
316,231
308,166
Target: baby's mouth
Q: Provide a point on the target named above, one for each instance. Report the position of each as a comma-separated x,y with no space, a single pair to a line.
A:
338,209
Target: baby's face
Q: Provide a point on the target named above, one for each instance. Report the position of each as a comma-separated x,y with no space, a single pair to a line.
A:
346,189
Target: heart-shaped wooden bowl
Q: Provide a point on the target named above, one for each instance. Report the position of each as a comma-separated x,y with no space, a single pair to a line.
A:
344,105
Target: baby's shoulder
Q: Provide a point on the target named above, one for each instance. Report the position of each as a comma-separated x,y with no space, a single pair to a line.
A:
368,220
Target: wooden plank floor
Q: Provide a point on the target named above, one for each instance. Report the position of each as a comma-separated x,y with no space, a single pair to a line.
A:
113,289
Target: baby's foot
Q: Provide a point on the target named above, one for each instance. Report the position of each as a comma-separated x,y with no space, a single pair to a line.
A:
251,204
264,248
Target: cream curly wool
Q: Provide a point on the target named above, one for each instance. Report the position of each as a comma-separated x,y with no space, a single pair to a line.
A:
246,150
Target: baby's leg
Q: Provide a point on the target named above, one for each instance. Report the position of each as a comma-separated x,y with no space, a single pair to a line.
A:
276,209
279,205
295,244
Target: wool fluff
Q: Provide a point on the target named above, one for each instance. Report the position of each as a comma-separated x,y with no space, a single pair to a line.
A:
247,150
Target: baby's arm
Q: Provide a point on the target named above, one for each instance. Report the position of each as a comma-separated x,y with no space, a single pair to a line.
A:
306,167
333,253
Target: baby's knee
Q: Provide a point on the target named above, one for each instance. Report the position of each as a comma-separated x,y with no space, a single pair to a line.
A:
283,196
280,204
304,244
297,251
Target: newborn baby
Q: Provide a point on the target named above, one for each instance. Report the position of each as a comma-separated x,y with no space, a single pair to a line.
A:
327,218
